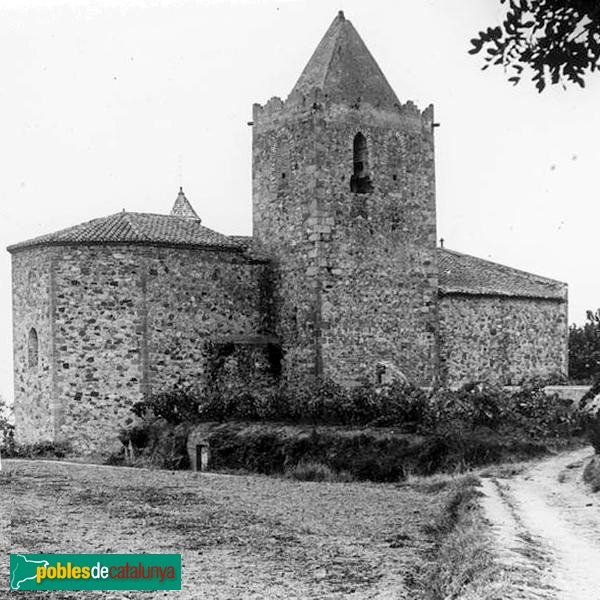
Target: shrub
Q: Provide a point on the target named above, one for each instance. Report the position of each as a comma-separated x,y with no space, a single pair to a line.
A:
591,393
593,433
7,429
584,349
316,471
367,454
138,435
175,405
474,425
8,445
538,414
529,410
156,443
591,474
44,449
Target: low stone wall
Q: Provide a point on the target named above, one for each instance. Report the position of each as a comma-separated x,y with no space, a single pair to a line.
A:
574,393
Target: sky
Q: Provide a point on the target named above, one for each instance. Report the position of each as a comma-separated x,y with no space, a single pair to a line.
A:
111,105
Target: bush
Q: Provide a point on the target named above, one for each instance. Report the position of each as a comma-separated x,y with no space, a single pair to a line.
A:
593,433
584,349
44,449
324,402
175,405
591,474
475,425
7,429
8,446
316,471
366,454
156,443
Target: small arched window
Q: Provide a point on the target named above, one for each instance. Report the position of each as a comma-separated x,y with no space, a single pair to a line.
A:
282,164
32,348
360,182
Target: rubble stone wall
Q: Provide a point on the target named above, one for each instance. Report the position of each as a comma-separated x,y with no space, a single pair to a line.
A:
358,271
502,339
33,306
128,320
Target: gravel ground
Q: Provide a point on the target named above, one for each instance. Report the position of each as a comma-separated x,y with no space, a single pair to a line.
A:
546,524
239,536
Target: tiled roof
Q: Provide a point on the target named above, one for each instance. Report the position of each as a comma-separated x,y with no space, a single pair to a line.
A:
343,69
464,274
252,248
136,228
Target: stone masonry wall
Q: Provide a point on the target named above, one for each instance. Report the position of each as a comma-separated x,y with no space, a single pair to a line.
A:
194,296
130,320
358,271
283,198
99,341
33,307
501,339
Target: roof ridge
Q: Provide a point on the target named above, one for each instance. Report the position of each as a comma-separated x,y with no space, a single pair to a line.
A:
339,19
134,229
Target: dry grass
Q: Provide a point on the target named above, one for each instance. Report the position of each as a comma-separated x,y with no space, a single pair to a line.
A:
504,470
239,536
463,564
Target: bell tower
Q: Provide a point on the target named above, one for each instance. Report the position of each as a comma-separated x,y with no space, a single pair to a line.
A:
344,200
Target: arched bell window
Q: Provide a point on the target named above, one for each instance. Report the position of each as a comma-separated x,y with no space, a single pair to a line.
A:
32,348
360,181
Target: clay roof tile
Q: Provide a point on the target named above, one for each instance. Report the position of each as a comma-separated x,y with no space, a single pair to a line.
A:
343,69
463,274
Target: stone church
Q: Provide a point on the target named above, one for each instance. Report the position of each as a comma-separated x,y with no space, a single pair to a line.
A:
341,278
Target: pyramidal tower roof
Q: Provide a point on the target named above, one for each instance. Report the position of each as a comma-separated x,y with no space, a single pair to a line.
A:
344,70
183,208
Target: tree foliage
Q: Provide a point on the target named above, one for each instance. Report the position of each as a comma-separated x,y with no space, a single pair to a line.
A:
584,349
558,40
7,428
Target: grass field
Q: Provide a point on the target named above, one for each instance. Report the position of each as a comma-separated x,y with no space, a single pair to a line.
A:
239,536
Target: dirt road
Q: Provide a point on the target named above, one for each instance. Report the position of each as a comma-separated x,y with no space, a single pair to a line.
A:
546,525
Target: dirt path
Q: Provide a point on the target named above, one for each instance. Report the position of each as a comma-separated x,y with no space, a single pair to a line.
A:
547,528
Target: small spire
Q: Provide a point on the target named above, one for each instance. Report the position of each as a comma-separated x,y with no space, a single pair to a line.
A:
441,242
183,208
341,15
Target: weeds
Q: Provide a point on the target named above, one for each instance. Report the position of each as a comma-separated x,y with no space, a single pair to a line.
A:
316,471
41,450
591,474
593,433
463,565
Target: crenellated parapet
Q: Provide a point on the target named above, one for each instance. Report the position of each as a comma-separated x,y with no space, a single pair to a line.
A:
319,105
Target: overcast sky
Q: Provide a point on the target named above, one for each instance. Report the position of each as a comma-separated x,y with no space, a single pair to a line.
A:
109,105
